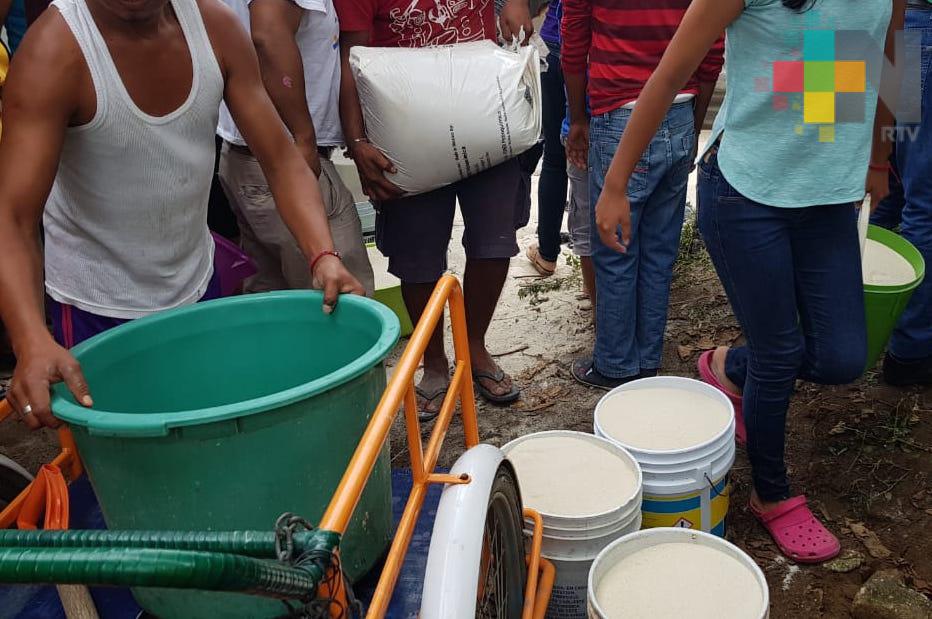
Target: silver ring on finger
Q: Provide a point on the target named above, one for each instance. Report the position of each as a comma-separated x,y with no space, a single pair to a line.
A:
27,410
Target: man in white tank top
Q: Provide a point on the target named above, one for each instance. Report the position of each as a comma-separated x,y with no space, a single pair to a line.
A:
299,56
110,113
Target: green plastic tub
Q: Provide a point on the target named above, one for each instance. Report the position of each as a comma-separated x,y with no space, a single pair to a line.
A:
885,304
388,290
224,415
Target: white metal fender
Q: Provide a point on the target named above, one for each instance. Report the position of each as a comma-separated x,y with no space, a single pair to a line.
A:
452,575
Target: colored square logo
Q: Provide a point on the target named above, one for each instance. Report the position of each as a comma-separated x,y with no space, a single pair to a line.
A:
820,76
819,108
788,76
819,45
850,76
850,107
827,133
850,45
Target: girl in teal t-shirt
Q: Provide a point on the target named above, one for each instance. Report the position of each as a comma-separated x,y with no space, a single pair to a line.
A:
792,153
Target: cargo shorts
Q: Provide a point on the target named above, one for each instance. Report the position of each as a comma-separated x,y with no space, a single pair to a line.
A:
414,232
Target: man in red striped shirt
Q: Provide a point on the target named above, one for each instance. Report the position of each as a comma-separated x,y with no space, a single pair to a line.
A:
619,43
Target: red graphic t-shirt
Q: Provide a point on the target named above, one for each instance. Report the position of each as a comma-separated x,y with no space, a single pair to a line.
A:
418,23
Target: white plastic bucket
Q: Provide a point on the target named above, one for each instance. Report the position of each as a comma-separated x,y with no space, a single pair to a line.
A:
573,542
685,488
630,544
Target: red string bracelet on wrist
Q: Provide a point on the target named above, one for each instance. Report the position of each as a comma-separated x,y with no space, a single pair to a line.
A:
324,254
880,168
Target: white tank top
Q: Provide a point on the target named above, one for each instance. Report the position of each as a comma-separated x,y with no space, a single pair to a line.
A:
126,221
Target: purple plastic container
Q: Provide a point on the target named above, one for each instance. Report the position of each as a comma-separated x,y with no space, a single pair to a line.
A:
232,265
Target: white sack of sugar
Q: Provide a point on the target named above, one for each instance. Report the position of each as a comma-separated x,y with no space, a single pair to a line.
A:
442,114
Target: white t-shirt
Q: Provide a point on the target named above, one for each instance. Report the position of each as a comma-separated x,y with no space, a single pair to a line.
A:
318,39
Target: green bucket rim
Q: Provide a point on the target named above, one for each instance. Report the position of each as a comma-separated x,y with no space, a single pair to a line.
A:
904,248
110,423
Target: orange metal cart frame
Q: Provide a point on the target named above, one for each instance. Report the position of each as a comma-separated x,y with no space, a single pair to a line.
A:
400,392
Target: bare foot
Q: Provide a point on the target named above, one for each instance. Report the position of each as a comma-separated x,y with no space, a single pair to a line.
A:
718,368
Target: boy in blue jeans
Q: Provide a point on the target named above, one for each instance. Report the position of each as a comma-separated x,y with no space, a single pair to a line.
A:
633,288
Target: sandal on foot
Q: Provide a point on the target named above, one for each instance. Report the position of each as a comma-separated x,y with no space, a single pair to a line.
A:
543,266
708,376
497,377
798,533
425,399
584,373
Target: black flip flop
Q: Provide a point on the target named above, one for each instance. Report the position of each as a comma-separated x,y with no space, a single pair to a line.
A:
429,396
497,377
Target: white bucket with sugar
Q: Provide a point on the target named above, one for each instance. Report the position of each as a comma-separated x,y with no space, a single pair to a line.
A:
588,493
671,573
682,433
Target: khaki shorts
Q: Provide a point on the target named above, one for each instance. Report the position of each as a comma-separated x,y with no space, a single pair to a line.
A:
266,238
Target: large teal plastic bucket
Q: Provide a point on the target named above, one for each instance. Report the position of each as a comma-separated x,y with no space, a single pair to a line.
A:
884,304
224,415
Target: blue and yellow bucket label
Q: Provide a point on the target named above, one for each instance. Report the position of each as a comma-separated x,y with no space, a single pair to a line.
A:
686,511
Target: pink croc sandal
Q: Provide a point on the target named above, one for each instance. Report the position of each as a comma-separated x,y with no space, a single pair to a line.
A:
798,533
708,377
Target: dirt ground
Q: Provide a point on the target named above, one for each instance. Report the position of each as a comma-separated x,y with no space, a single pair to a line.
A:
861,453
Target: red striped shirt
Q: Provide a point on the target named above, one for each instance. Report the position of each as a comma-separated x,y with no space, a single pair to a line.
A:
621,42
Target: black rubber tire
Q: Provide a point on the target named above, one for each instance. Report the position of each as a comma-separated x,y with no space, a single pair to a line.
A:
502,568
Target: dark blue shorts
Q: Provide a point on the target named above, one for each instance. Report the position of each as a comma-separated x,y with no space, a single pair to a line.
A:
414,232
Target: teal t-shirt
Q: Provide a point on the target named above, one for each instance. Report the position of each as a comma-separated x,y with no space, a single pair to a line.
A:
797,121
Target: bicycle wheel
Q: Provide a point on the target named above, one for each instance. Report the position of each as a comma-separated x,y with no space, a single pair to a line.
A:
502,570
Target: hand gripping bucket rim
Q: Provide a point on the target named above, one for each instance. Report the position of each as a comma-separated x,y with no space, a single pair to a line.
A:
607,445
116,423
650,537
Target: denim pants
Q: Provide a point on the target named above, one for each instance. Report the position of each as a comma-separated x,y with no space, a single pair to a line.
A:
793,277
912,339
551,191
633,289
889,213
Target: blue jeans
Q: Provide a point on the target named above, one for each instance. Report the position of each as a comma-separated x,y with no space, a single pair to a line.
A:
912,339
633,289
889,213
551,190
793,277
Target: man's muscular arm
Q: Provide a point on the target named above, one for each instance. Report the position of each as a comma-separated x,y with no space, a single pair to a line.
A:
41,98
